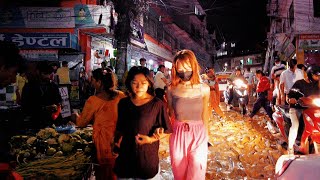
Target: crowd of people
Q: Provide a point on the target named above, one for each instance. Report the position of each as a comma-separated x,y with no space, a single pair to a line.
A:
127,126
275,90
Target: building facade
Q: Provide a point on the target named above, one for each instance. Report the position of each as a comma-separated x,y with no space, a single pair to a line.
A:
67,30
294,31
84,32
160,33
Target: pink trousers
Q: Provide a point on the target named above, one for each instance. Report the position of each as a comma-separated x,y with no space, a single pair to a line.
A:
189,150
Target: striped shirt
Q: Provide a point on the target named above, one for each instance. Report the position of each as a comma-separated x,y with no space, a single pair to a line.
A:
277,70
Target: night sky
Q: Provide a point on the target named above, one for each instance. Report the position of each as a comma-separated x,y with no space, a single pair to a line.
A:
242,21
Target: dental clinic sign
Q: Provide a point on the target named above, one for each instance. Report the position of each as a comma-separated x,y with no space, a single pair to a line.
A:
38,40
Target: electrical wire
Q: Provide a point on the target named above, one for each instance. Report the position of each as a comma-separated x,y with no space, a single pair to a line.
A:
174,7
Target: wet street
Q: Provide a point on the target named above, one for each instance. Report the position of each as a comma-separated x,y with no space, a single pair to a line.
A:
240,149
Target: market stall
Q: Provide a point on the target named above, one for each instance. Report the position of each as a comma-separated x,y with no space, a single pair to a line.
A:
63,152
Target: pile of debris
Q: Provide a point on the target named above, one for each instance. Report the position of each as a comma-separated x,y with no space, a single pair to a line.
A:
241,149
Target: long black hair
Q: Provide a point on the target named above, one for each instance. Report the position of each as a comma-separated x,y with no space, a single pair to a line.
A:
108,81
139,70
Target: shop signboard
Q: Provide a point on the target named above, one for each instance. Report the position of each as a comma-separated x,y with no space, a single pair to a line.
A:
56,17
137,34
48,17
38,40
40,55
285,43
289,50
309,41
279,41
82,15
65,105
35,17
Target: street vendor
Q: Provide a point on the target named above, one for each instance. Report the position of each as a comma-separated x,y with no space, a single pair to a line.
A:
41,100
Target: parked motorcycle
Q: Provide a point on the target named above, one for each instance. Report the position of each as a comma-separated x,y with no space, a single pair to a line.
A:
240,94
309,127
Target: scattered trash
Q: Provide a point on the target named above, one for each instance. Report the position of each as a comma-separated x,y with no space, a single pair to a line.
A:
241,149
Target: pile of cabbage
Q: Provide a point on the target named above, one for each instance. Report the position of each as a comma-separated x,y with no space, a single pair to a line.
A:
49,143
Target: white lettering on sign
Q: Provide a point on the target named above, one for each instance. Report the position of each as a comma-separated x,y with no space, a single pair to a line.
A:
58,15
41,41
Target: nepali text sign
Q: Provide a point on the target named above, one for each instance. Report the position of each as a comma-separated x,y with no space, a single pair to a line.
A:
48,17
35,17
309,41
137,34
38,40
40,55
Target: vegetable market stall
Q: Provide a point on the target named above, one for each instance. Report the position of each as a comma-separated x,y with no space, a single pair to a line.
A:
49,154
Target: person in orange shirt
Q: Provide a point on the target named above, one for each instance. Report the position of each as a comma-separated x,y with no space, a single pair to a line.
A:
212,82
102,110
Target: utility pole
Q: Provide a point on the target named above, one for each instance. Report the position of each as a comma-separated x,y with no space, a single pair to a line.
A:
128,11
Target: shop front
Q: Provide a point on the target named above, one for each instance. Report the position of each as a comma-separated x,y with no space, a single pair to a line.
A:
308,51
102,51
135,53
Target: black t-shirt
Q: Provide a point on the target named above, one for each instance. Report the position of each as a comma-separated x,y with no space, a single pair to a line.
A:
306,88
136,161
35,97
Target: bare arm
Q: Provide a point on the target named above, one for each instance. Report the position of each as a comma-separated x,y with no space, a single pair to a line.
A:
281,88
206,113
281,94
170,107
83,119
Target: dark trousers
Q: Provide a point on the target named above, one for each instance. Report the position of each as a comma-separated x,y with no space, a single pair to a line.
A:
262,101
159,93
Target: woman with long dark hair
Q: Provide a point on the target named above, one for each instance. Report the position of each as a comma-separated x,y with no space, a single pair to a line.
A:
102,110
142,121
